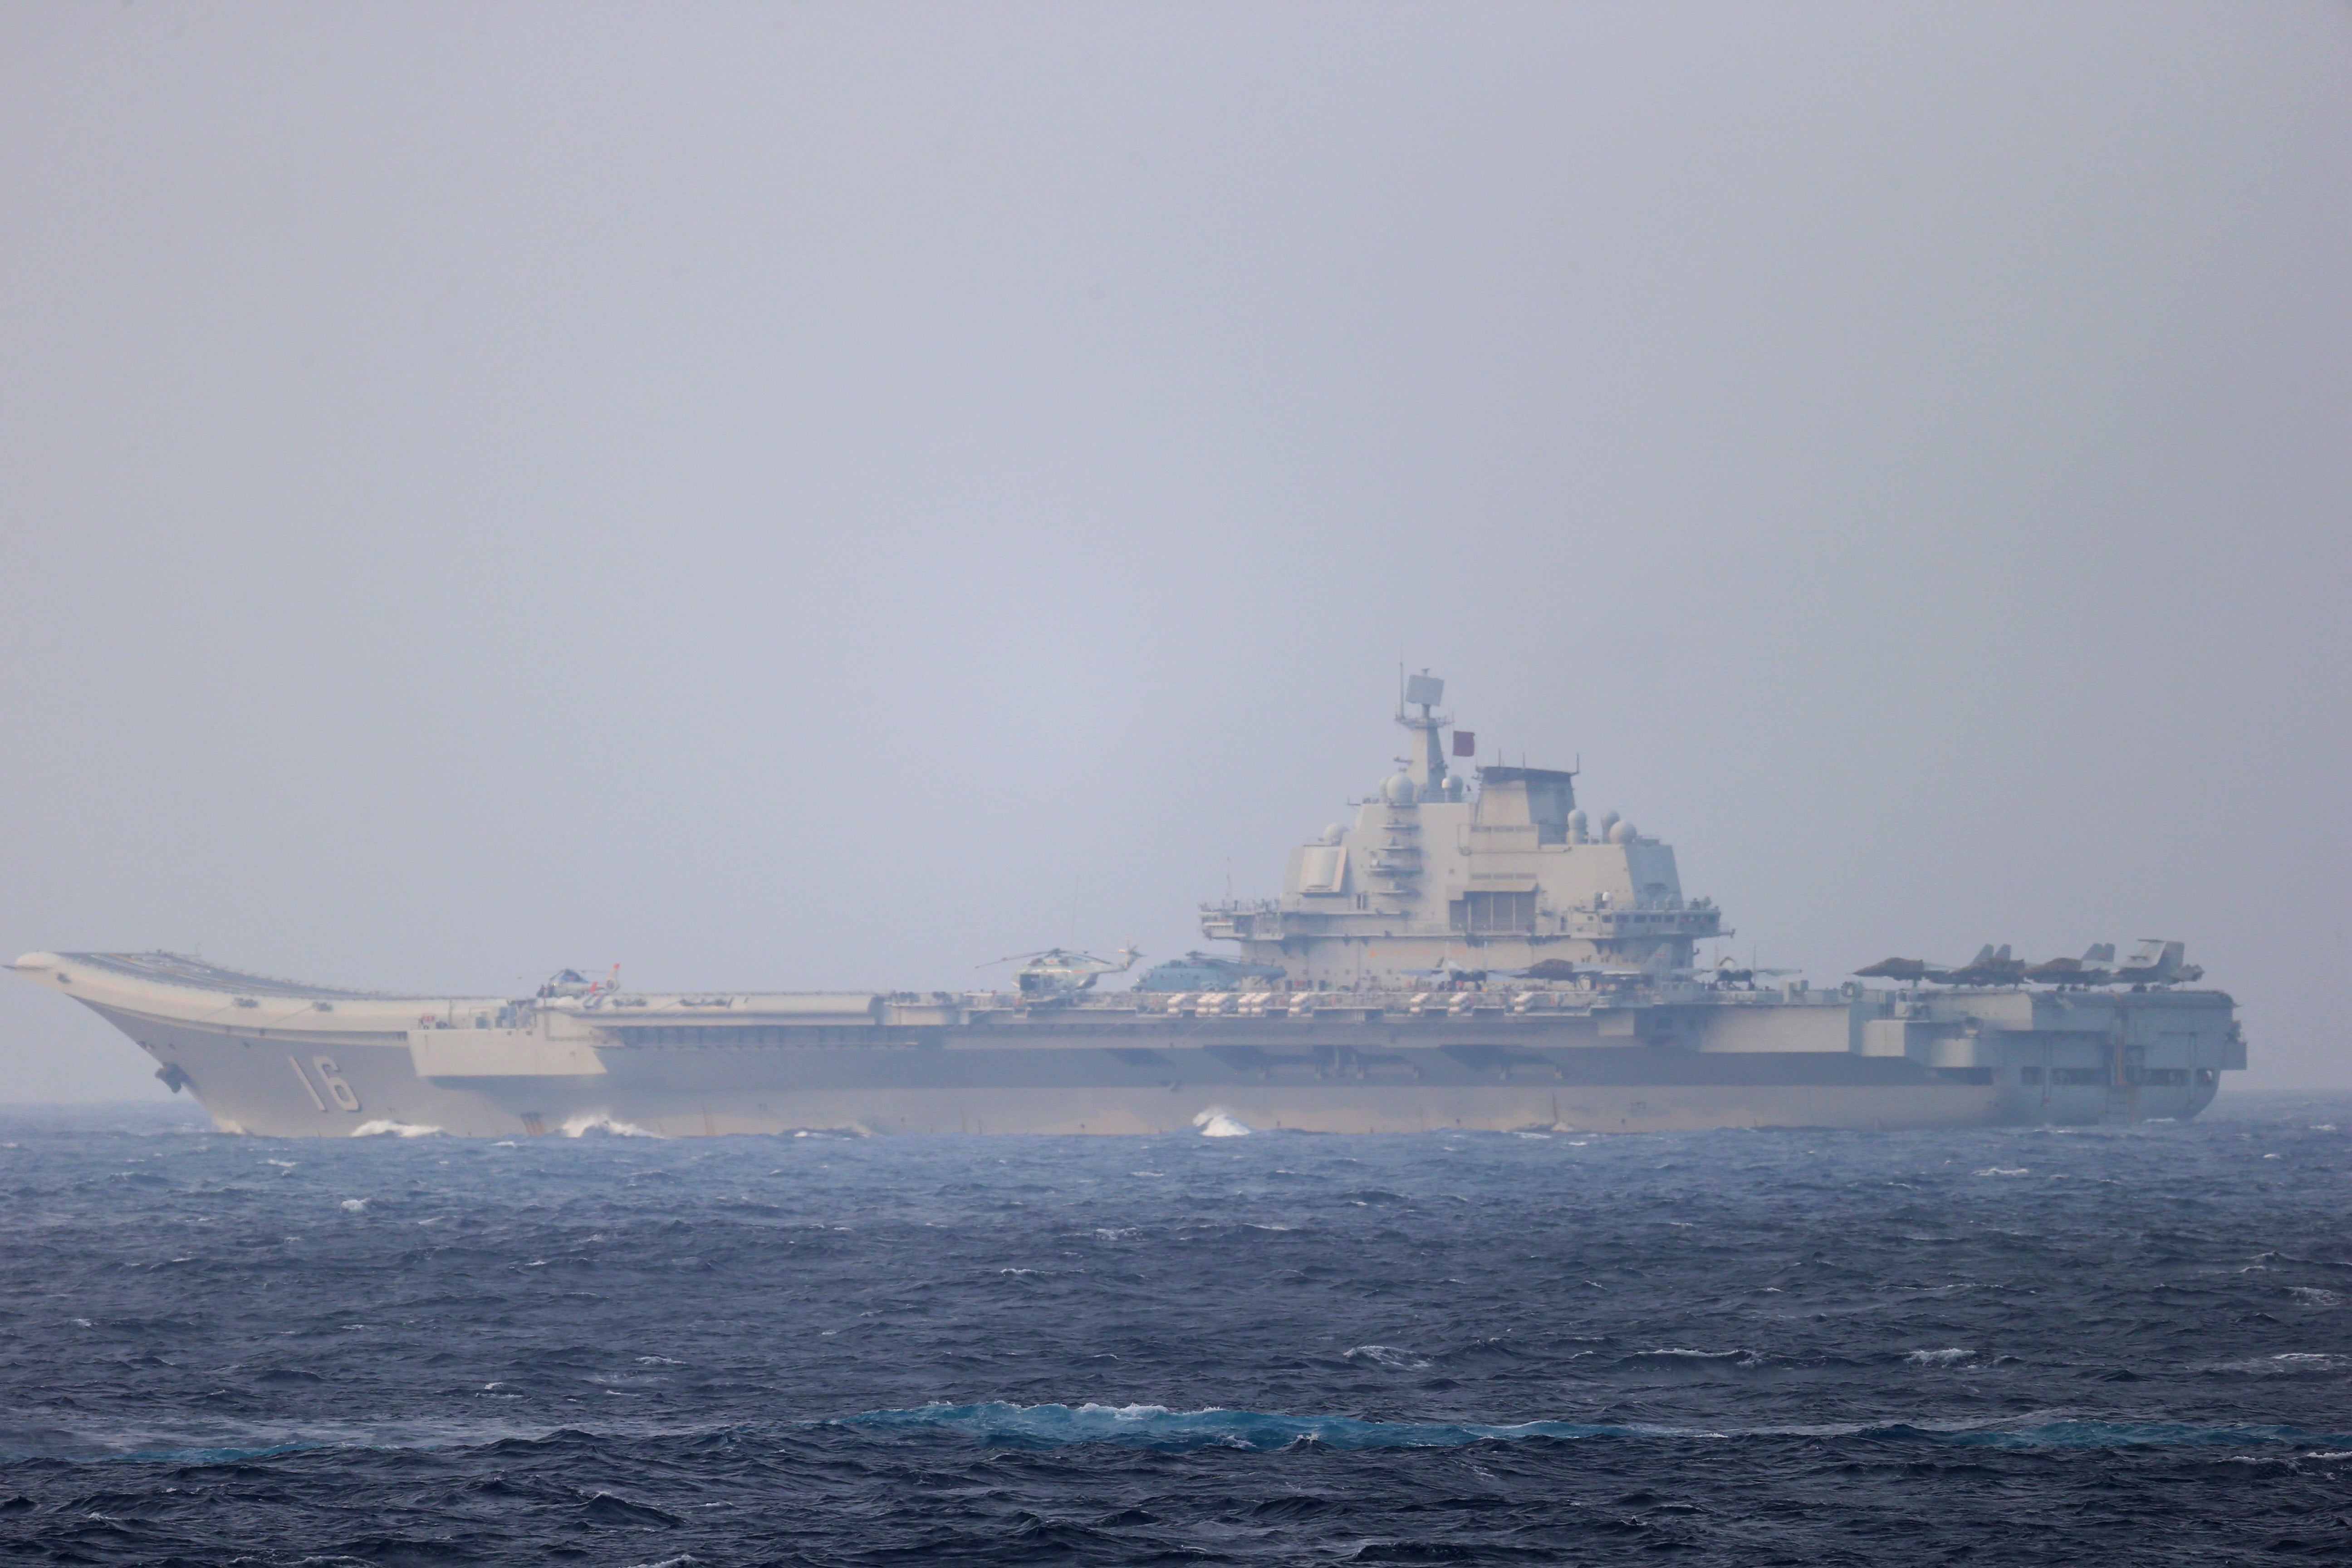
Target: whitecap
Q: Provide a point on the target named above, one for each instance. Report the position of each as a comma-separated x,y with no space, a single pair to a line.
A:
2004,1171
2284,1363
354,1205
390,1127
1215,1123
1938,1358
1745,1358
604,1122
1387,1356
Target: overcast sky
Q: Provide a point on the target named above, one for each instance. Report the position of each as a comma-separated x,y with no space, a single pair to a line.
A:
826,496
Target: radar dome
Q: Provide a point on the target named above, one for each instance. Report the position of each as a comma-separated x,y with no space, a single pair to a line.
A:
1398,789
1580,827
1333,834
1621,833
1607,821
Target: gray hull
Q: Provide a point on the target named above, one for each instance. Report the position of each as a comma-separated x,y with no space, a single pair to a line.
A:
1119,1071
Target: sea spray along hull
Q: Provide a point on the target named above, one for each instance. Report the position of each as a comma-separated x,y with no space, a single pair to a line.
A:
288,1061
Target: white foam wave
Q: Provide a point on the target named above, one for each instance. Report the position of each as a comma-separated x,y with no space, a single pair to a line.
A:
354,1205
2004,1171
1745,1358
604,1122
1938,1358
391,1127
2285,1363
1215,1123
1387,1356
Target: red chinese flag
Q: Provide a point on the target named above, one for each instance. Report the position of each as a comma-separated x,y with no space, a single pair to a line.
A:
1465,743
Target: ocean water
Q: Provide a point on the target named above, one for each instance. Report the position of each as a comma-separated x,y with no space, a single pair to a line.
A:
2121,1345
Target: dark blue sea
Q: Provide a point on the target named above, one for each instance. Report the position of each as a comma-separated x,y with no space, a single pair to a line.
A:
2114,1345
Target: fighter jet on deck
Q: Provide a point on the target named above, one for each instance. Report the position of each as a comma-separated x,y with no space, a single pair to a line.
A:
2155,962
1988,967
2096,967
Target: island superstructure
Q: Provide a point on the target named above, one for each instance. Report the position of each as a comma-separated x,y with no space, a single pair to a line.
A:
1503,877
1468,952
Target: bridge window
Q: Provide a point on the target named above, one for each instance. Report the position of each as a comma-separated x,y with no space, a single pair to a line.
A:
1495,913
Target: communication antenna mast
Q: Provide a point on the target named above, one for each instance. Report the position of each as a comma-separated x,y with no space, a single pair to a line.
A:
1424,692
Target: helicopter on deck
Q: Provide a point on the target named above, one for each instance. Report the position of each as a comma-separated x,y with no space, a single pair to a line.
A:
1057,974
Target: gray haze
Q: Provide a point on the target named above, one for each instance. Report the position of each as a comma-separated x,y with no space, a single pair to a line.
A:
825,496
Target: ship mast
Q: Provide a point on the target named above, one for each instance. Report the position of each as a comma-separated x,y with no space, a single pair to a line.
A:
1427,769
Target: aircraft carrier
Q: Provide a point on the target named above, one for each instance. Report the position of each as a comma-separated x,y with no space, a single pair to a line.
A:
1465,953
